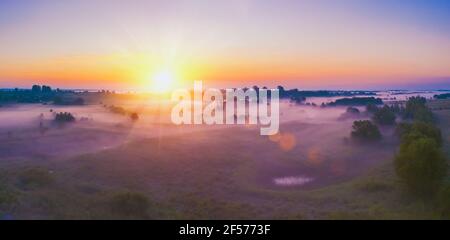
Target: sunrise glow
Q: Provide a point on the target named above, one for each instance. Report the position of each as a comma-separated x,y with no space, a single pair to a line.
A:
162,81
240,110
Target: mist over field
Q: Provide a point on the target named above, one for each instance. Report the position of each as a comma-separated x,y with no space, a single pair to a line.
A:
103,152
29,130
120,157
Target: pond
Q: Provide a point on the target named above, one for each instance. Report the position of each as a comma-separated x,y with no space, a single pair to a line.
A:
292,181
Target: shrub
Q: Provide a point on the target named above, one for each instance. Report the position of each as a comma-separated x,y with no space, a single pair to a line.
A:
444,202
365,130
421,165
130,204
352,110
384,116
134,116
7,197
35,177
64,117
372,185
118,110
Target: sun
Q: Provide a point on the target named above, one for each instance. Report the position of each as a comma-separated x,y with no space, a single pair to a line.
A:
162,81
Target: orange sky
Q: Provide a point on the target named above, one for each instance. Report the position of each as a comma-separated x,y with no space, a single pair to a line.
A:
111,44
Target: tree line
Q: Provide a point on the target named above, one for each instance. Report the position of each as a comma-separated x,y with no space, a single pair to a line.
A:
41,94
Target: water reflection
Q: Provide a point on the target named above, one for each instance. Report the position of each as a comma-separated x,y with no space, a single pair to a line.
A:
292,181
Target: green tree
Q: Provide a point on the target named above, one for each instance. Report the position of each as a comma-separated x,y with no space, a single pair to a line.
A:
423,114
416,109
372,108
409,132
384,116
421,165
365,130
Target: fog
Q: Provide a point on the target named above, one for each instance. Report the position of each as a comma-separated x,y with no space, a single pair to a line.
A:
312,149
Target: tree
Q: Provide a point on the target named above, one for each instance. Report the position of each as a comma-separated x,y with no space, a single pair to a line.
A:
78,101
423,114
134,116
396,108
442,96
384,116
356,101
421,165
117,110
403,128
64,117
409,132
352,110
372,108
46,89
297,99
365,130
57,100
36,89
416,109
281,91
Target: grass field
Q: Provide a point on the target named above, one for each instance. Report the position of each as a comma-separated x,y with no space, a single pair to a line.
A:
214,174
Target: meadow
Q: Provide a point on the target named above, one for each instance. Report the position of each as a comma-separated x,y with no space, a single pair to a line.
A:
107,166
